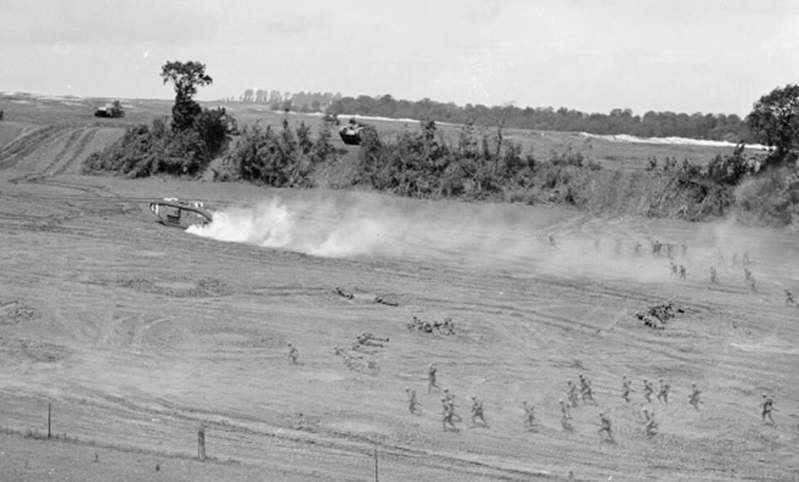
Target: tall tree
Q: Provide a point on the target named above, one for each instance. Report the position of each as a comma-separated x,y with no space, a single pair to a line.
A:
186,77
774,120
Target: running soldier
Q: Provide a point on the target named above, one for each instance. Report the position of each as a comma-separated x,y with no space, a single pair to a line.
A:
431,377
529,414
565,415
746,260
648,390
477,412
625,389
669,250
682,272
450,398
712,275
663,393
413,404
571,391
693,398
650,429
294,354
447,415
605,425
673,268
585,390
789,298
768,406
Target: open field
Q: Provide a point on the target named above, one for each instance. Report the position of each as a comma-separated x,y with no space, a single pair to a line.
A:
137,334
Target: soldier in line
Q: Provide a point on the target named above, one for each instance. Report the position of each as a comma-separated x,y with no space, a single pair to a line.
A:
789,298
529,414
768,406
673,268
431,377
605,425
693,398
571,392
713,275
294,354
413,404
682,272
565,414
648,390
663,393
477,411
586,392
625,389
447,414
650,429
450,398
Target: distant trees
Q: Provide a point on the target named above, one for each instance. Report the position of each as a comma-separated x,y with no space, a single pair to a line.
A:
619,121
186,77
774,120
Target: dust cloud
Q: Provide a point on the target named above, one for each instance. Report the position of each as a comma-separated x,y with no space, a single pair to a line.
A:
518,240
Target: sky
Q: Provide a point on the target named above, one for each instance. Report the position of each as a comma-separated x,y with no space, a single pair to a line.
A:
709,56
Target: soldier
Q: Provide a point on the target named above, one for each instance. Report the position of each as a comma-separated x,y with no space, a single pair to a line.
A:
477,411
747,274
682,272
586,392
450,398
768,406
413,404
684,250
650,429
663,393
447,414
648,390
789,298
565,414
646,413
712,275
552,241
431,377
752,283
293,353
637,247
338,351
571,391
693,398
734,258
529,414
625,389
745,259
605,425
673,268
669,250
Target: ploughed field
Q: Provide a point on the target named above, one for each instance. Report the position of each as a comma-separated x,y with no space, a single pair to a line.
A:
137,334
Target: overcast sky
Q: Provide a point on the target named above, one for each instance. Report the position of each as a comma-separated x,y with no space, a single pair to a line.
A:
716,56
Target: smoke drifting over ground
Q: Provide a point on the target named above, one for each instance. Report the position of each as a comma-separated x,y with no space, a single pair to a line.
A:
519,240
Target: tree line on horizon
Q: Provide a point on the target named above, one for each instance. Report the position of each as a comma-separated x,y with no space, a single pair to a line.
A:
719,127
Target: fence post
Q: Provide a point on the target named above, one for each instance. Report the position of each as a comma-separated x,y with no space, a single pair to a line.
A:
49,418
376,478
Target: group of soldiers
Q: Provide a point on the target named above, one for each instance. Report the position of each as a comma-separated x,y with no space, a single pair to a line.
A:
576,393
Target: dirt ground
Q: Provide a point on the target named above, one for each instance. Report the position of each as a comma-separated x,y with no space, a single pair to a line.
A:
137,334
